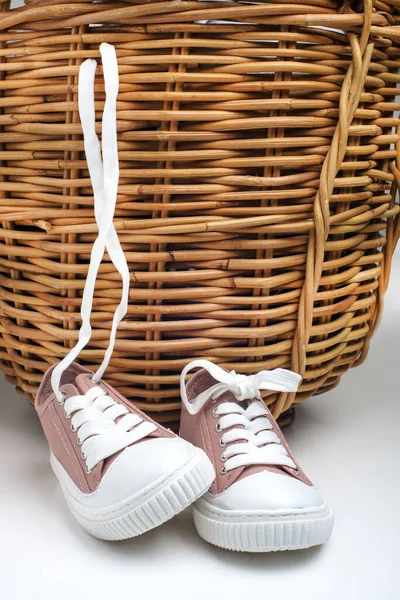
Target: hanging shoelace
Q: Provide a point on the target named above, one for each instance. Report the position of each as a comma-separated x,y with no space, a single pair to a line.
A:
247,434
103,426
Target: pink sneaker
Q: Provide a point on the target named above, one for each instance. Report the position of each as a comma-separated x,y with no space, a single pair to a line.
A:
261,500
121,473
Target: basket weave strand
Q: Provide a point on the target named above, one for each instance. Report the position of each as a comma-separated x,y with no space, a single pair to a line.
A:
259,154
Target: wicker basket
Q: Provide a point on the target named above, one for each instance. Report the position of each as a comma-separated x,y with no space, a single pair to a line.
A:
259,159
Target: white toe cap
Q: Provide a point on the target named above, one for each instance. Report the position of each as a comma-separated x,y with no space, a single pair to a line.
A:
267,491
139,467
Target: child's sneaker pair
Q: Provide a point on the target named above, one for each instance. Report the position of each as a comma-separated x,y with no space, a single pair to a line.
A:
122,474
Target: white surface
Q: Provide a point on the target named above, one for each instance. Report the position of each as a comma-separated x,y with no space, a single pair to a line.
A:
347,441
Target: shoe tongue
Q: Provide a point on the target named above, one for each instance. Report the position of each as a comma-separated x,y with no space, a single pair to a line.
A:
201,381
84,382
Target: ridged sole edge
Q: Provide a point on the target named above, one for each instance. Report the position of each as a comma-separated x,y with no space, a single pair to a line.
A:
155,510
271,535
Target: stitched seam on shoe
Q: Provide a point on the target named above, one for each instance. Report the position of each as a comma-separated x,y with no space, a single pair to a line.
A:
70,451
261,515
192,385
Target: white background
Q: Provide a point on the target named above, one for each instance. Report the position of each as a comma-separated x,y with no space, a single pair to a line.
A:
347,441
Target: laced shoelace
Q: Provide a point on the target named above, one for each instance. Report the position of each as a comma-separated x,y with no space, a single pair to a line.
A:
103,426
247,435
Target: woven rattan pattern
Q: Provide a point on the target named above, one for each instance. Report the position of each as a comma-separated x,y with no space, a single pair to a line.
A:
259,160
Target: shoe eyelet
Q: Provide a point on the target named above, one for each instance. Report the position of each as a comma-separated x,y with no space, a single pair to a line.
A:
214,412
83,456
223,471
223,457
221,444
87,470
66,415
218,428
72,428
213,400
63,399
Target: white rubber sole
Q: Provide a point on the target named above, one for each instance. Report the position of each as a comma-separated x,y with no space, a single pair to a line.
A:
267,532
146,509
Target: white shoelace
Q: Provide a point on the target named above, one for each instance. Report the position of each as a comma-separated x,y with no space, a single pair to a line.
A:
95,414
247,433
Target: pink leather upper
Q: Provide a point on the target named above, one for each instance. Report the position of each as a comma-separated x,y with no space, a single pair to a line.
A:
200,430
62,440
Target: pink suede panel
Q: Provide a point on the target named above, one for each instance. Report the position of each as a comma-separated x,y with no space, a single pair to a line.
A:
200,430
62,440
